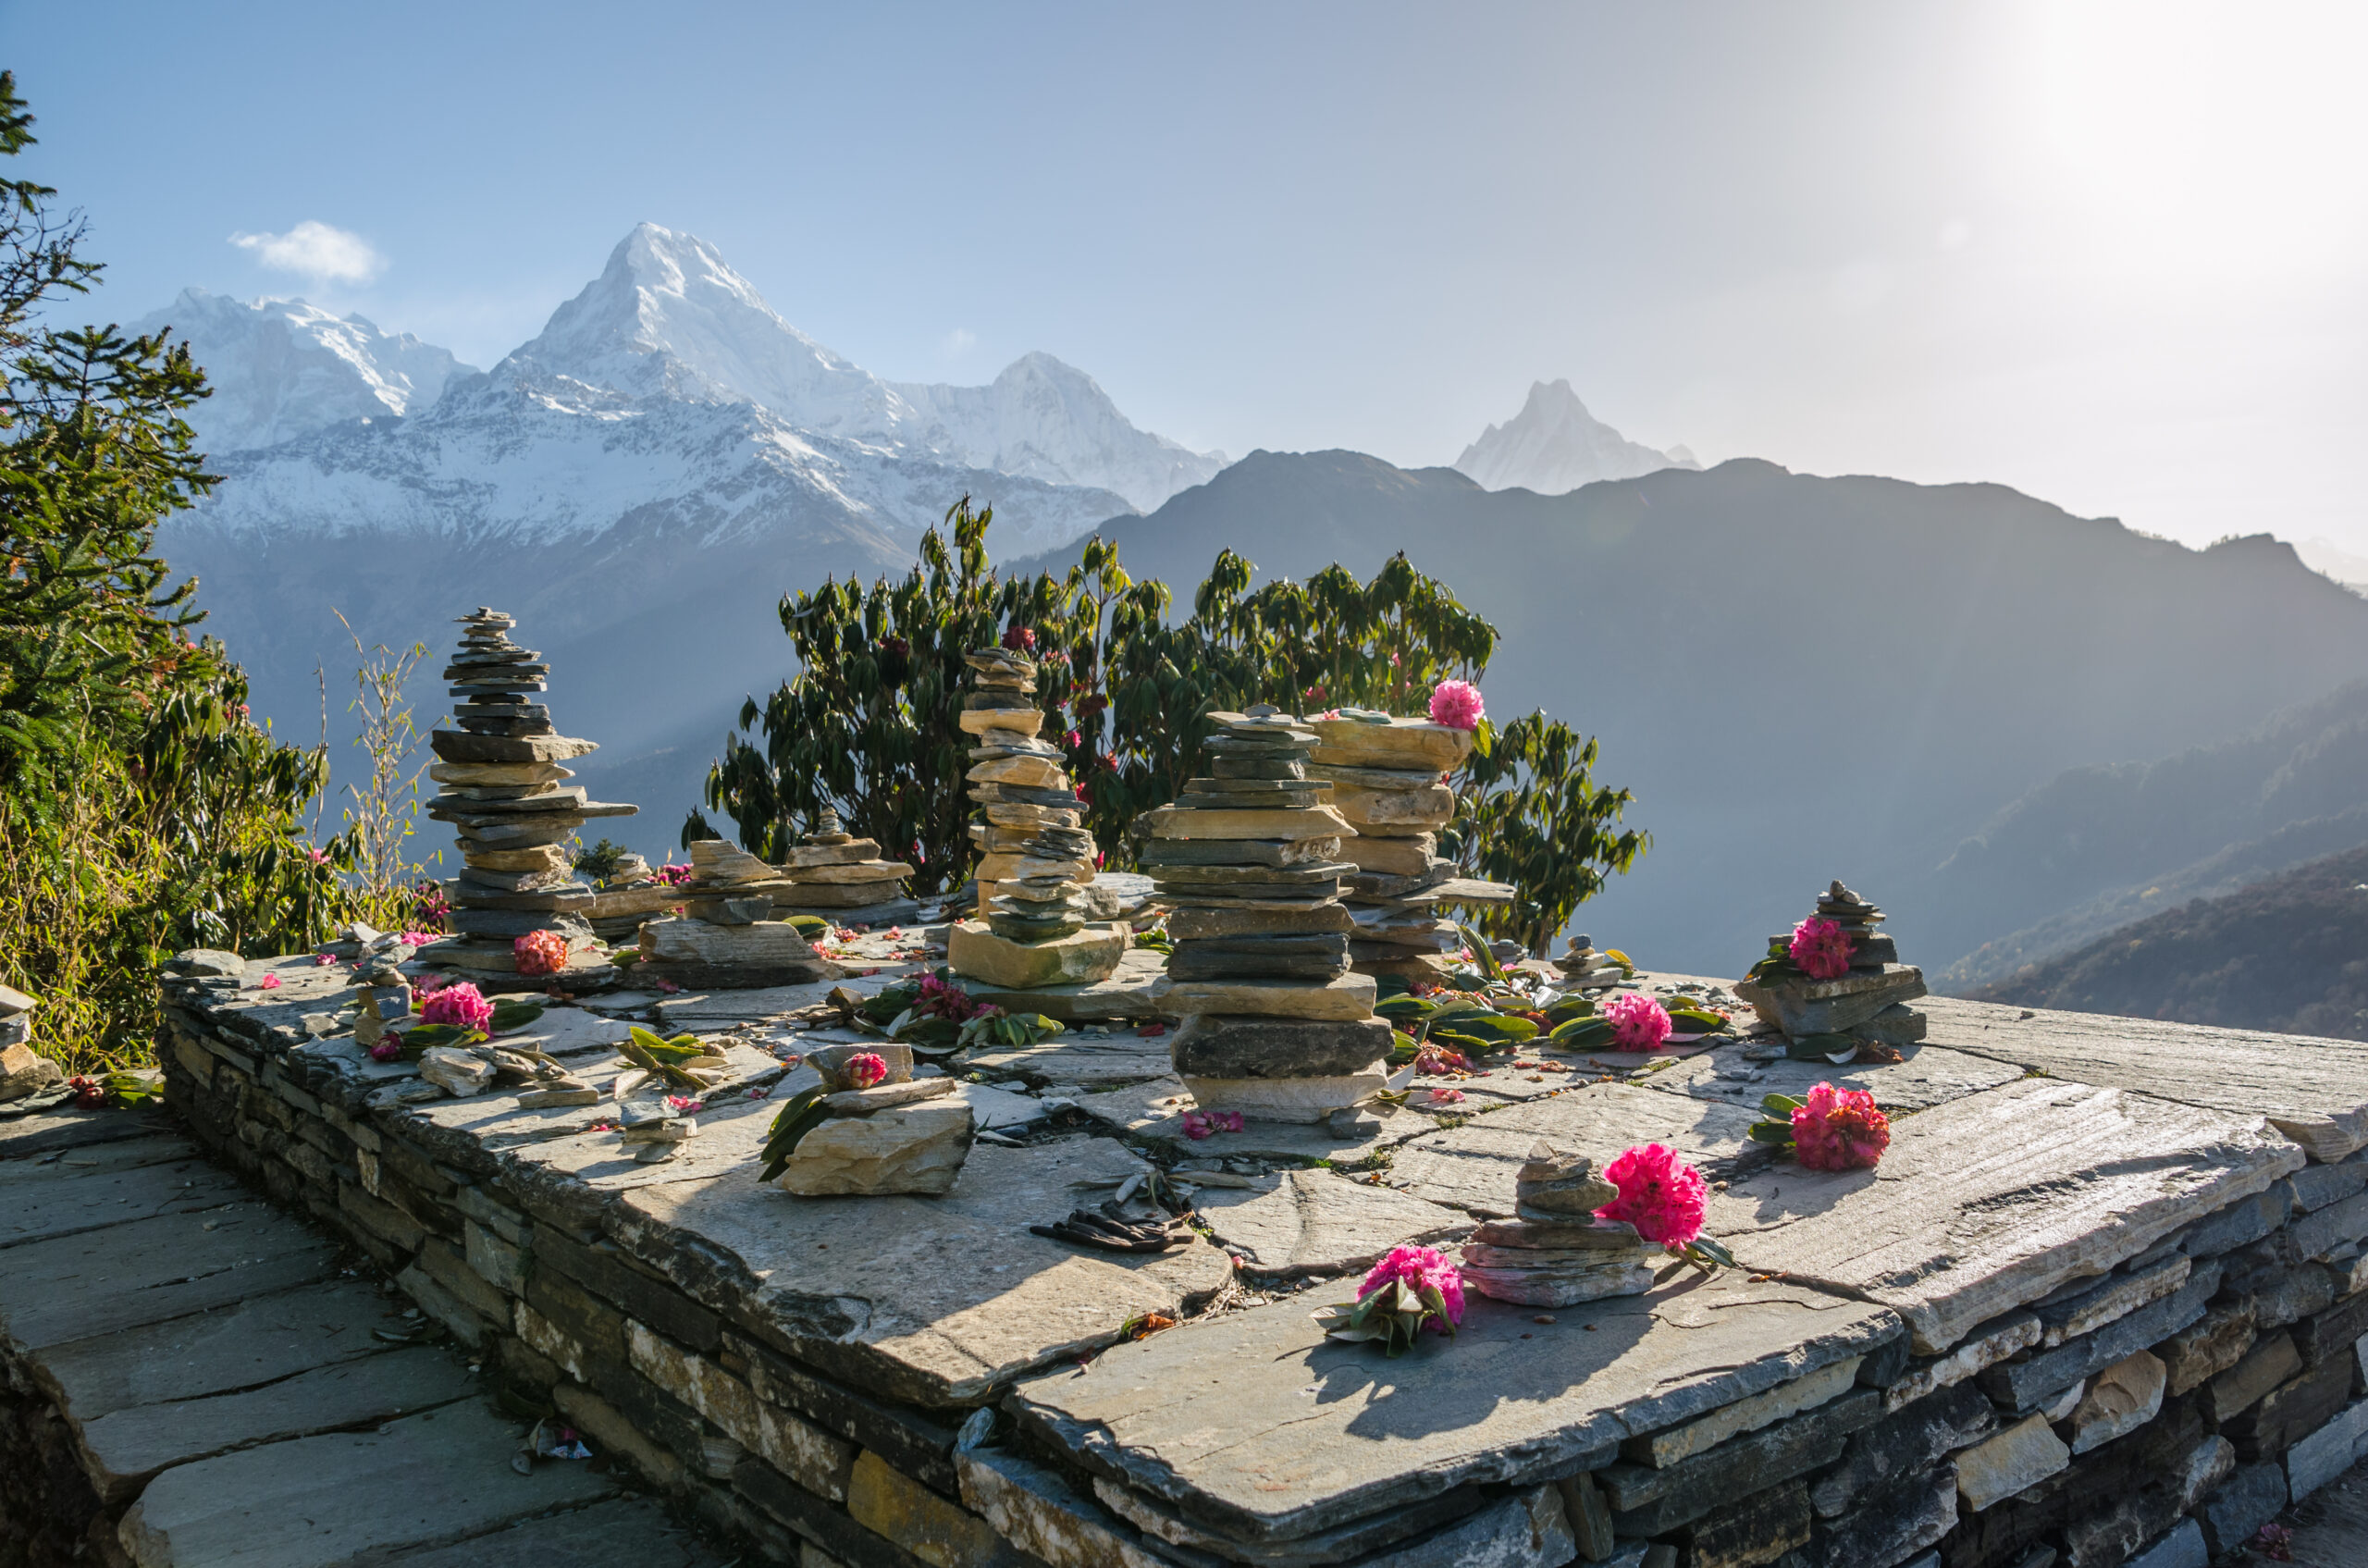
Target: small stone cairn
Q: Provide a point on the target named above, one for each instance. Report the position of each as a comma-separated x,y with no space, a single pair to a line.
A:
1587,969
1384,776
1869,1004
1249,861
833,873
726,938
899,1134
1038,856
1555,1253
23,1070
506,794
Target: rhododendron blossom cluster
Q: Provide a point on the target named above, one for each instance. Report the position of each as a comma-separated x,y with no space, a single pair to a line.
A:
943,999
459,1002
1418,1267
1457,705
1438,1059
674,876
269,982
540,952
1840,1129
1659,1194
865,1068
389,1047
1638,1023
1820,950
1200,1123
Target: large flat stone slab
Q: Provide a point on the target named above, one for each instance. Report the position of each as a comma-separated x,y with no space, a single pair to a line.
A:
622,1533
129,1445
2313,1091
1298,1222
424,1480
30,1134
1093,1063
1931,1074
938,1300
1472,1166
107,1184
241,1346
1256,1425
1987,1202
151,1270
1126,994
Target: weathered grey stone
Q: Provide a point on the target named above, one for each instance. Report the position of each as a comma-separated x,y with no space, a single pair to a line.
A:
2324,1454
1408,744
2251,1497
1558,1279
1220,1046
1077,1061
2020,1384
1908,1439
2290,1411
2183,1547
1747,1414
1304,1100
1928,1077
1650,1502
1885,1532
933,1300
2073,1311
133,1179
1984,1346
1993,1201
2317,1186
1472,1166
102,1281
2014,1461
457,1072
2272,1360
2207,1347
1349,998
2316,1235
1079,959
917,1148
1259,1428
625,1533
2119,1399
422,1479
1589,1515
1759,1529
1350,1543
2322,1104
1315,1222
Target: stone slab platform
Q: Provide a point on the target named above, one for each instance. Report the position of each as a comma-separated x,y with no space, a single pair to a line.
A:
233,1396
1472,1166
1260,1427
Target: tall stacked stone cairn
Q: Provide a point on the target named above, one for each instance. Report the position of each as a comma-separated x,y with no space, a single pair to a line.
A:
1587,969
1869,1004
508,798
1386,782
1038,856
833,873
1248,861
1555,1253
23,1070
726,937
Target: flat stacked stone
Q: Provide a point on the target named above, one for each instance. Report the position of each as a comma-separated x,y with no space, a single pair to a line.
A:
1587,969
1036,928
1555,1253
726,937
627,896
506,795
1249,861
1869,1003
1388,783
23,1070
831,871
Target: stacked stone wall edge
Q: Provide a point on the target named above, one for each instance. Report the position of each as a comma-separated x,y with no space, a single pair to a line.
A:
2243,1337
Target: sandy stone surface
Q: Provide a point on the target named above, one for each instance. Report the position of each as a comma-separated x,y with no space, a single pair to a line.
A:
1929,1076
1316,1222
1472,1166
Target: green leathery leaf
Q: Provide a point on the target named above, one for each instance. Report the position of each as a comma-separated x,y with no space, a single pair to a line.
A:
511,1014
1580,1034
1817,1048
1770,1132
799,1115
1780,1104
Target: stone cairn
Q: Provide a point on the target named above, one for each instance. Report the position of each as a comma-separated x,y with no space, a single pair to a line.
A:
1555,1253
1869,1005
898,1133
1587,969
726,937
838,876
1249,861
23,1070
1384,776
505,792
1038,856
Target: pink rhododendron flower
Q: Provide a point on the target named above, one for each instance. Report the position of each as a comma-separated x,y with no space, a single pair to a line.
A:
1457,705
323,960
674,876
1200,1123
389,1048
269,982
88,1093
1438,1059
1659,1194
418,938
1446,1096
320,857
460,1003
1638,1023
943,999
540,952
865,1068
667,986
1020,639
1820,950
686,1105
1840,1129
1419,1266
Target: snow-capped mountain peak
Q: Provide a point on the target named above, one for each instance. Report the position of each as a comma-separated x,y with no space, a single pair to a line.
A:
282,368
669,317
1554,445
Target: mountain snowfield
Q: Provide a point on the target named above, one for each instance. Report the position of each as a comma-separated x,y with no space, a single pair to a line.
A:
1554,445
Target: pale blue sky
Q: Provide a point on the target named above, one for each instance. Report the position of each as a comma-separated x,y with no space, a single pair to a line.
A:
2111,254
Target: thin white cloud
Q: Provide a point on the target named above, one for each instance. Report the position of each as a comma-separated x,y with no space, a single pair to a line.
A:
317,251
959,342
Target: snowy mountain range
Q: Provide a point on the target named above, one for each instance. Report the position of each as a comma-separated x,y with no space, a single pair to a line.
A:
1554,445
